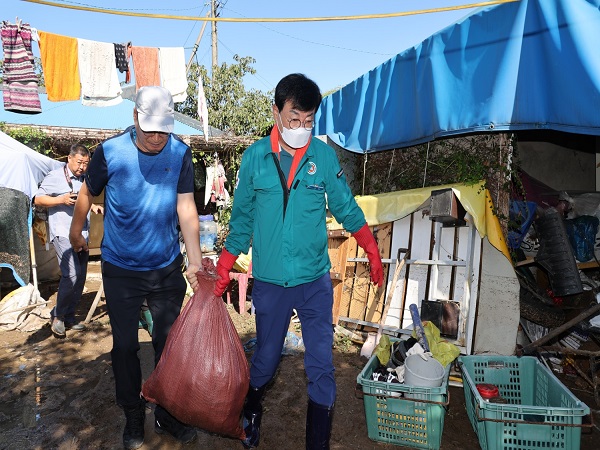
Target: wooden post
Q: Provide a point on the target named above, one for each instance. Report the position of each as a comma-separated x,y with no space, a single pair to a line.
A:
94,304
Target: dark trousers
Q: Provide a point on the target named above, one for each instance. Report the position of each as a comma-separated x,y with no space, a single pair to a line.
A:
274,307
125,291
73,271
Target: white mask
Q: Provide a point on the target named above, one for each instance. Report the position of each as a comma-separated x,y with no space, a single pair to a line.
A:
297,138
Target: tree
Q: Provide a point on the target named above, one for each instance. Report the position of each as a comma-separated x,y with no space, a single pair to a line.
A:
230,107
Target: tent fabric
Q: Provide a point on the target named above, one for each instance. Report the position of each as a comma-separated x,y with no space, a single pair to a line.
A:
532,64
392,206
22,168
15,212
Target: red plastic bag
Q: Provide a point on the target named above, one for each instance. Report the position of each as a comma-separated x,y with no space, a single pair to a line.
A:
202,377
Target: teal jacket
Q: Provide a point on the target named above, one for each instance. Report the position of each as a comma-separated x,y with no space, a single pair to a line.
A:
289,247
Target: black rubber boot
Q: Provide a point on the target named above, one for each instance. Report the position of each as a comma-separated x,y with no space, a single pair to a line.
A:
252,415
164,422
133,436
318,426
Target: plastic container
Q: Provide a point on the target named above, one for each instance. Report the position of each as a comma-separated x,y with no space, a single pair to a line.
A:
539,411
392,417
208,233
421,372
488,391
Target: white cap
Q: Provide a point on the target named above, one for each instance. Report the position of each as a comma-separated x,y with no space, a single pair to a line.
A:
154,105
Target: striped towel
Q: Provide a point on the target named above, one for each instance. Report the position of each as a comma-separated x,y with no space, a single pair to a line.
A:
21,86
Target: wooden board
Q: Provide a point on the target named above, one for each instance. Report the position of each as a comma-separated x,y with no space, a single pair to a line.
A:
338,254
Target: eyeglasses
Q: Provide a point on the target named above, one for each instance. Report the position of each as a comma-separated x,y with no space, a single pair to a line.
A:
294,124
81,163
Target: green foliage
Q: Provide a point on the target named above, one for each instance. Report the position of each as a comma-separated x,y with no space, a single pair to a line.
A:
231,108
467,160
32,138
342,343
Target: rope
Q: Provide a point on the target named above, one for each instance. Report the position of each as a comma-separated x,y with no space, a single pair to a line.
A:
271,19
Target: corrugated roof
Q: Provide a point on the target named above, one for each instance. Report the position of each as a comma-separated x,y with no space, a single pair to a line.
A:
75,115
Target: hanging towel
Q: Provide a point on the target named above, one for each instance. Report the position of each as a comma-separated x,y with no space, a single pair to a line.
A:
172,72
60,65
122,55
209,192
222,196
98,74
121,61
145,66
202,108
215,190
20,81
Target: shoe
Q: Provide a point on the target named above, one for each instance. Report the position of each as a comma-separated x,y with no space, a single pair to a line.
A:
133,435
58,327
164,422
75,326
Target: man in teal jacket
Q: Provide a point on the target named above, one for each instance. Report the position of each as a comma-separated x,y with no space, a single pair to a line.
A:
286,183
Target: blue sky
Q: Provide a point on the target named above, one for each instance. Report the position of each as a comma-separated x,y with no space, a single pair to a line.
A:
333,53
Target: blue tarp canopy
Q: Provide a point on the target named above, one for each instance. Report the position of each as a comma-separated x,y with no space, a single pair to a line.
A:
528,65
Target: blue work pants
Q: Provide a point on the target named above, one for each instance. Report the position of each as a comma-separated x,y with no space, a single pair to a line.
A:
274,306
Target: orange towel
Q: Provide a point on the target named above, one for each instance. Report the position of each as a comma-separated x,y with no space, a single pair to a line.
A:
60,66
145,66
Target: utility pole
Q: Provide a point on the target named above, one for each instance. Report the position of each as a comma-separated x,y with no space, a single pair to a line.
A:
214,4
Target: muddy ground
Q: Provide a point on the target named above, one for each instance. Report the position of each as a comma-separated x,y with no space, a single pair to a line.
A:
59,393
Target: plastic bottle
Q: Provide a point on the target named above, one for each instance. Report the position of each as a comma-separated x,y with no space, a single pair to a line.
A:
208,233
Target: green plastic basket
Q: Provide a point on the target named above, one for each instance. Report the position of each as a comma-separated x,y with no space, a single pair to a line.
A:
541,412
403,415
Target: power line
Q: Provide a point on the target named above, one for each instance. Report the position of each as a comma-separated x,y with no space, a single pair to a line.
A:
261,79
313,42
126,9
296,19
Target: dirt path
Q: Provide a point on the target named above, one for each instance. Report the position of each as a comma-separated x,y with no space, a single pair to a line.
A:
59,394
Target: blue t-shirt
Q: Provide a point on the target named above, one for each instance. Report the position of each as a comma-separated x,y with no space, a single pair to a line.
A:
140,199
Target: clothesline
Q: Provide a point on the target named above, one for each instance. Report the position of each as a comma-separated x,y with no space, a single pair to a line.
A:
83,69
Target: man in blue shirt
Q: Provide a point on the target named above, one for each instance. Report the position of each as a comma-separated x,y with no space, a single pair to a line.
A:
147,176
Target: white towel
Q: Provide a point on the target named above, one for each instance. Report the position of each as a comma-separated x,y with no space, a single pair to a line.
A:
98,73
171,61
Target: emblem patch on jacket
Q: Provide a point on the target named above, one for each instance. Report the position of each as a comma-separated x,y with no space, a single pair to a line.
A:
312,168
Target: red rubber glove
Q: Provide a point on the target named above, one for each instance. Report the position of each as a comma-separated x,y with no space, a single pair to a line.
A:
224,266
364,238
